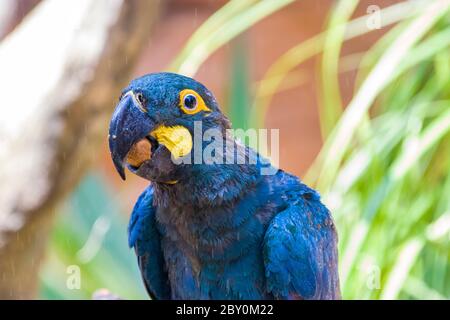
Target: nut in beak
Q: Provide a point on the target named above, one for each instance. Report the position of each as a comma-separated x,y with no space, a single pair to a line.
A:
139,153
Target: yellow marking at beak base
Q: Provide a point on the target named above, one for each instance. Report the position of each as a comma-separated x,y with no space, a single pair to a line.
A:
177,139
171,182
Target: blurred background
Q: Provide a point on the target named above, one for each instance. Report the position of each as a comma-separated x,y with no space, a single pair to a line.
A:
360,91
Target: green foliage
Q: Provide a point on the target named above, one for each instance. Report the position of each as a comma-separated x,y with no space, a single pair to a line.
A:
385,177
91,234
225,24
239,95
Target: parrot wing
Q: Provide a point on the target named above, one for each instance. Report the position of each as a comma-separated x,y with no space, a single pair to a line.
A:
300,253
145,238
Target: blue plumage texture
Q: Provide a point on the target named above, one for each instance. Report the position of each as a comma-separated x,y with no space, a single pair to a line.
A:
220,231
274,240
143,236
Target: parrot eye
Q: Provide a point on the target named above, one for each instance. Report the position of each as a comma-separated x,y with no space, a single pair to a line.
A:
140,98
191,102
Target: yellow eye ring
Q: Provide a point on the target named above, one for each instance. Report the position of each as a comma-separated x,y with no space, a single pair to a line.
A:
191,102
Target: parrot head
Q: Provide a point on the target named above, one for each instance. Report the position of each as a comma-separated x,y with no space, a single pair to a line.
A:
154,122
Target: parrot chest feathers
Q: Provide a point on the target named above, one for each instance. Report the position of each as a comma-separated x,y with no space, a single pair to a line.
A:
208,251
274,240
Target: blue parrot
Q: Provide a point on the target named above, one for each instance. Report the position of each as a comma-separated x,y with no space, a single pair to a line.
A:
215,229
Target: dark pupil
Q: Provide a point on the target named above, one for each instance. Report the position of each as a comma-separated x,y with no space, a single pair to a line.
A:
140,98
190,101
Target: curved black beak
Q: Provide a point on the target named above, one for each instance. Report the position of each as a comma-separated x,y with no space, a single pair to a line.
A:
128,125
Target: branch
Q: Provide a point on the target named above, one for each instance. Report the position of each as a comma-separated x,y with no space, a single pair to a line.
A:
12,13
62,69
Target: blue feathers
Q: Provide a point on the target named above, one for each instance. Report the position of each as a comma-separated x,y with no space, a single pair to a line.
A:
142,210
144,237
275,240
300,255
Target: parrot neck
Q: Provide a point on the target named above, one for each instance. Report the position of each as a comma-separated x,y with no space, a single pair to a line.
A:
210,185
218,213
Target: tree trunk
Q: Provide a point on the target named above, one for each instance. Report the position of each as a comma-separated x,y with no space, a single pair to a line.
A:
62,70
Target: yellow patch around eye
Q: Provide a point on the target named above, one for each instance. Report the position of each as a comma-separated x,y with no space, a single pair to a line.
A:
200,106
177,139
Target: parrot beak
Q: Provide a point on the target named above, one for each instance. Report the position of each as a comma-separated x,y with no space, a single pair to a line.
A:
129,124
